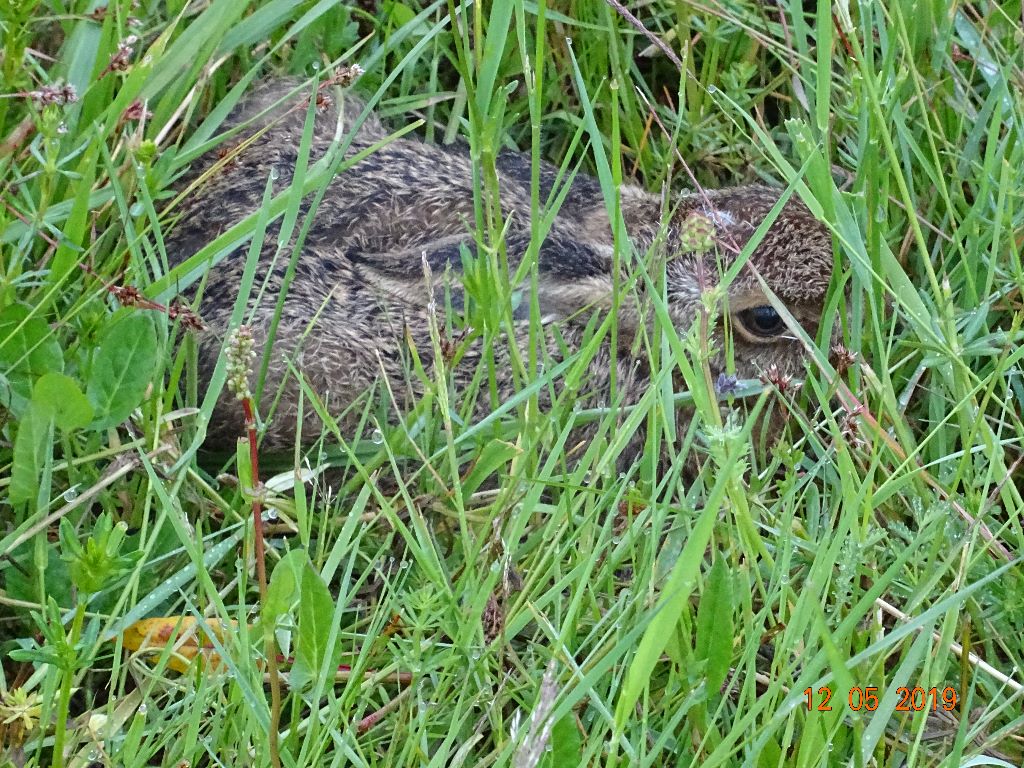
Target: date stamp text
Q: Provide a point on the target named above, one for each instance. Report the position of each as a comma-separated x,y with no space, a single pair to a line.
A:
868,698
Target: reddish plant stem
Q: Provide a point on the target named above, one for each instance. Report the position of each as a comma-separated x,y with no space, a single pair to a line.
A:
375,717
269,646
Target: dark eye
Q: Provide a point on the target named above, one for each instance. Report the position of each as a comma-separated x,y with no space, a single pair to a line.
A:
762,321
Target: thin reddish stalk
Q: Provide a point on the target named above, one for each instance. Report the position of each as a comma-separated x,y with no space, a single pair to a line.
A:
269,646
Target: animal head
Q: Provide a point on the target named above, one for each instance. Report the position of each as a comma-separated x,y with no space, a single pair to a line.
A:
793,258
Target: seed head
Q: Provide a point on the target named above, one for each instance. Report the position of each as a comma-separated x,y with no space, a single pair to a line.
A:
241,353
697,233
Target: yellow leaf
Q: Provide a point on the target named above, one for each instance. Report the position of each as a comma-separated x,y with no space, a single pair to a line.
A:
190,639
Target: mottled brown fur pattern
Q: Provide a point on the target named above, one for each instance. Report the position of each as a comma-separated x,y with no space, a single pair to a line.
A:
359,297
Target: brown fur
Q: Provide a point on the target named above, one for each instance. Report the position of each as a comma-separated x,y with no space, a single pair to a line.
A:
361,273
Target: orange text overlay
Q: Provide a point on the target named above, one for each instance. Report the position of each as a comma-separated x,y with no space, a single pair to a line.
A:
868,699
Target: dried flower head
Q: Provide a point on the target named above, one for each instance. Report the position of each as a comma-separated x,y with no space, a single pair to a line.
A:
842,358
345,75
136,111
122,58
190,321
127,295
849,428
58,94
782,382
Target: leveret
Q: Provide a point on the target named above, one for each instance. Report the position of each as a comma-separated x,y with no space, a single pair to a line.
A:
359,300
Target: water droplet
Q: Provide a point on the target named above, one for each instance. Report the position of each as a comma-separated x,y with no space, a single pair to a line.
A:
71,493
137,209
712,89
142,708
274,173
271,514
62,129
93,755
315,66
587,476
147,60
404,564
377,437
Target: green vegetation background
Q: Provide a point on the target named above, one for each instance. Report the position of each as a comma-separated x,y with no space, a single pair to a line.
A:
680,622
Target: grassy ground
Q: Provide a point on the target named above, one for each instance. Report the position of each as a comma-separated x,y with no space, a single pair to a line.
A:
658,622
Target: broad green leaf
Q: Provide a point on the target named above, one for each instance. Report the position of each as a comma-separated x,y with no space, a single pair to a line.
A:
31,446
565,745
122,369
28,349
58,396
714,624
316,615
284,590
36,575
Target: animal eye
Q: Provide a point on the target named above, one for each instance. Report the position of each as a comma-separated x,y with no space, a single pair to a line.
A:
762,321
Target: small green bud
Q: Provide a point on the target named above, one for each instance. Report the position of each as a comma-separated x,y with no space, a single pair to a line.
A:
98,562
147,152
697,234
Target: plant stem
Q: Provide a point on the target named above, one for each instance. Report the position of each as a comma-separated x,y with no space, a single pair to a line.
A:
269,644
64,703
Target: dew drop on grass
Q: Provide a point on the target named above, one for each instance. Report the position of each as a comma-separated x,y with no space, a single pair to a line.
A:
712,88
315,66
377,437
142,709
271,514
137,209
71,493
274,173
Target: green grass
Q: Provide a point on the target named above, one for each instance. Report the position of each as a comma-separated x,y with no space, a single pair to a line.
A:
884,530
